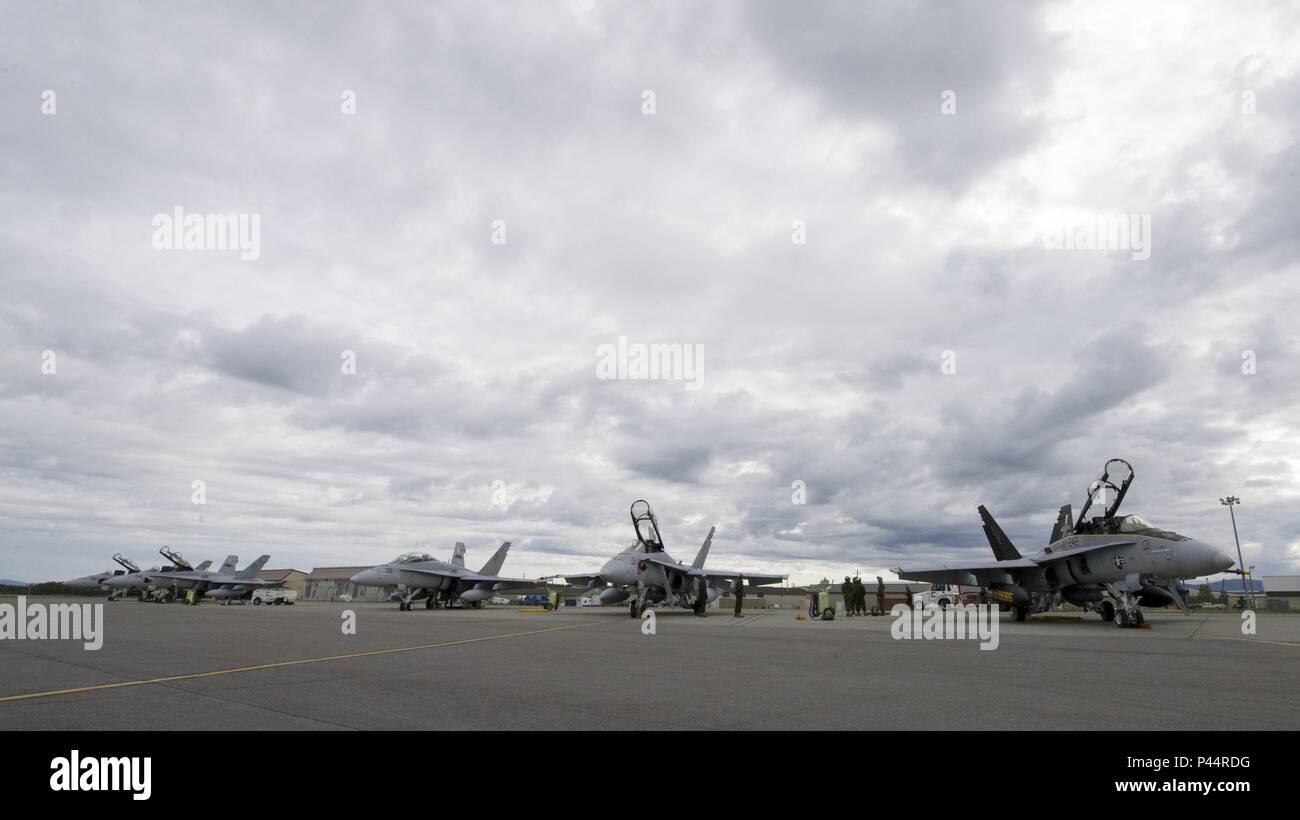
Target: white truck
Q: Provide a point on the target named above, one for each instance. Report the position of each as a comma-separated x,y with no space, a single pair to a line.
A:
943,597
274,596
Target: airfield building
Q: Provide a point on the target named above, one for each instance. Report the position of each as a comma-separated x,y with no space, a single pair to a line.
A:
333,584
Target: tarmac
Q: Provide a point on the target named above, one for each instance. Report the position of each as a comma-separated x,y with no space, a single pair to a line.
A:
171,666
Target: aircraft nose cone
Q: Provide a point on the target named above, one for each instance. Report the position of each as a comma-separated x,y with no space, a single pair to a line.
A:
1223,560
362,577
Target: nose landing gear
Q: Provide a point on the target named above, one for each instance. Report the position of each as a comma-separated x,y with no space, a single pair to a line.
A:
1127,614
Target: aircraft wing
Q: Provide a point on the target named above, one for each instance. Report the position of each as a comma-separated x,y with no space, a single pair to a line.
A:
241,582
975,574
988,572
582,580
754,578
497,581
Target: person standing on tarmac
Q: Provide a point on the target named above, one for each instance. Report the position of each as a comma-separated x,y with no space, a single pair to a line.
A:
880,595
701,596
859,597
740,595
908,592
846,590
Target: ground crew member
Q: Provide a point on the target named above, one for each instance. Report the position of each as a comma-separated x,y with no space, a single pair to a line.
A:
740,595
846,589
701,596
880,595
859,597
908,592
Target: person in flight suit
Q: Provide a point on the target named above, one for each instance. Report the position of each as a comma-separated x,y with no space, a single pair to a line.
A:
859,597
908,592
880,595
740,595
701,596
846,590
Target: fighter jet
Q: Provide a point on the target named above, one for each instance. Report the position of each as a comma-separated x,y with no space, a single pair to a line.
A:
224,583
131,579
98,580
1108,564
161,582
418,575
646,572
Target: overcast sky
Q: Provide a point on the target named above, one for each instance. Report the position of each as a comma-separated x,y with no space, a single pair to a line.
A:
929,152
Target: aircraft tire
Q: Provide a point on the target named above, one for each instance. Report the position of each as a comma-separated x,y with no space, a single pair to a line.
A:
428,602
1022,612
632,609
1107,611
828,614
1138,618
1121,618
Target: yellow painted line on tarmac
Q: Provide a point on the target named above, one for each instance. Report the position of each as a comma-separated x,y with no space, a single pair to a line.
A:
1247,640
282,664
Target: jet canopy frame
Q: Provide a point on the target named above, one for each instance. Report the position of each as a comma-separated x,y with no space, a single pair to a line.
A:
1105,523
130,565
415,557
176,558
646,526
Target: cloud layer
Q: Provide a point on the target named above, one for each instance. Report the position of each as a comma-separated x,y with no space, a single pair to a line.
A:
920,353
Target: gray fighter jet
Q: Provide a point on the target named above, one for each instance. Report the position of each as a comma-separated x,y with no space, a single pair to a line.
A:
162,582
99,580
131,579
1108,564
418,575
224,583
647,574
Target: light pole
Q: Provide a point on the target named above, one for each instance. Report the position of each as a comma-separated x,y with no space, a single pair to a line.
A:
1230,502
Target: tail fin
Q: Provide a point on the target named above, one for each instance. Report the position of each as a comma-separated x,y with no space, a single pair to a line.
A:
1064,524
493,566
703,554
252,569
202,567
1003,549
458,554
228,565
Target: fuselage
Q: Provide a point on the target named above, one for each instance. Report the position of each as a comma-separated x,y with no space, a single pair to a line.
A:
432,575
1166,556
629,568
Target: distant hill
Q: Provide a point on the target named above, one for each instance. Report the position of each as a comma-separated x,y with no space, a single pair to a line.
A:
9,582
